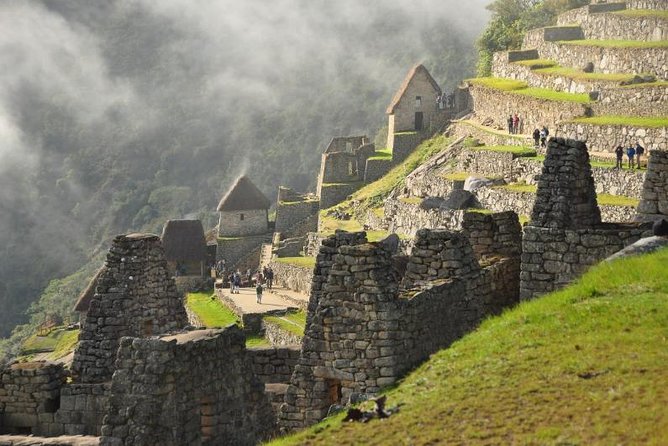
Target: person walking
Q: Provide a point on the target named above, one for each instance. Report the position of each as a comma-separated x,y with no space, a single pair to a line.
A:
516,124
543,136
258,292
619,153
270,278
536,137
510,124
630,153
640,150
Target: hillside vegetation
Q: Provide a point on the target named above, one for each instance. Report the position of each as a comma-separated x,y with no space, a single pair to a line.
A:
583,366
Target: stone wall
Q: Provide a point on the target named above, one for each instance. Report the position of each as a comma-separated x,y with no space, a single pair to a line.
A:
608,60
30,397
659,5
135,296
619,27
82,409
332,194
243,223
553,257
313,241
276,364
408,218
292,277
605,138
535,37
234,249
402,144
195,388
633,100
187,284
488,137
376,168
362,334
69,440
290,213
277,336
497,105
346,143
654,202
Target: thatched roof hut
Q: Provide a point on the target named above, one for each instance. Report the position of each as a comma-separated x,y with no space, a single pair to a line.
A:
184,240
243,196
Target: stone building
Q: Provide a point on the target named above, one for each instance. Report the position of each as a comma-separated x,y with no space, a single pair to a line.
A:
185,247
244,225
243,210
370,320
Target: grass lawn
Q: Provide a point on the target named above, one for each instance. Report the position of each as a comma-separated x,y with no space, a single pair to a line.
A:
523,188
519,87
649,13
535,64
211,312
67,342
634,44
616,200
457,176
520,151
301,262
382,154
59,342
290,322
634,121
257,342
646,85
411,200
578,74
583,366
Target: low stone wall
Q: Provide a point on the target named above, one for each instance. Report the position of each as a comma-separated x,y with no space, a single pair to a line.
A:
608,60
333,194
82,409
193,388
276,364
623,27
408,218
279,337
402,144
552,257
291,213
29,397
187,284
535,37
313,241
605,138
292,277
69,440
659,5
640,100
628,183
233,249
291,247
497,105
654,203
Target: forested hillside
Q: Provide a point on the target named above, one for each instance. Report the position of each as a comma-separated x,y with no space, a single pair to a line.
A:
117,115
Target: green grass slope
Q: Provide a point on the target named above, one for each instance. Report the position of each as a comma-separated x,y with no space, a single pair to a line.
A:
584,366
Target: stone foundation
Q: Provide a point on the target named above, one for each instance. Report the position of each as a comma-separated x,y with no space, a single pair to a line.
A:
193,388
654,203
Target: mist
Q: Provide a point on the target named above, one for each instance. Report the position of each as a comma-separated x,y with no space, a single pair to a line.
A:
116,115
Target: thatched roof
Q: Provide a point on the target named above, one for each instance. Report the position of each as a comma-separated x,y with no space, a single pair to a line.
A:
184,240
243,196
418,69
83,302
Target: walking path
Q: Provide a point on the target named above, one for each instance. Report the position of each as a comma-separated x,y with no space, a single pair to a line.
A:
245,301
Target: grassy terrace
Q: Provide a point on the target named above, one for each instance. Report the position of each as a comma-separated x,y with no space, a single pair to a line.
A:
578,74
583,366
535,64
518,151
210,311
58,343
603,199
382,154
648,13
634,121
646,85
290,322
637,44
301,262
521,88
491,130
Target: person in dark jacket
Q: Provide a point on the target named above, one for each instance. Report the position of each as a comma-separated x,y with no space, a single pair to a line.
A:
536,137
631,152
510,124
619,153
640,150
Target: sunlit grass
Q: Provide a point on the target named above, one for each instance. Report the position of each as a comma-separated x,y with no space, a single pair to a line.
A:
578,74
521,88
633,121
210,310
293,322
616,200
519,151
534,64
583,366
633,44
649,13
301,262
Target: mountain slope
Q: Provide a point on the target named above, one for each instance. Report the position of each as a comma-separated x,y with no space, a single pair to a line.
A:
586,365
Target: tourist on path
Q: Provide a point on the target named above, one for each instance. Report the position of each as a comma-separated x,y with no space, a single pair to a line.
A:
510,124
516,124
270,278
544,133
640,150
619,152
258,292
536,137
631,152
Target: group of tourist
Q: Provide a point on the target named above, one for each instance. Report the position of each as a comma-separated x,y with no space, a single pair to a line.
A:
261,278
515,124
540,137
633,153
444,101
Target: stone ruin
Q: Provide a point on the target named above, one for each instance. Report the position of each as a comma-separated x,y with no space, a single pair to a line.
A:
654,203
373,315
565,235
135,296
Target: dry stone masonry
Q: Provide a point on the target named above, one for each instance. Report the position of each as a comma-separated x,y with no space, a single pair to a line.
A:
654,203
135,296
